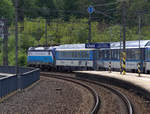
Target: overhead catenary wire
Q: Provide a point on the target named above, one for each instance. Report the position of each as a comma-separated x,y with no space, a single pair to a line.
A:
99,12
106,4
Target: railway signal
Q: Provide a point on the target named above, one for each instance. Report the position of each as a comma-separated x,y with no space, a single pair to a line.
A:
90,11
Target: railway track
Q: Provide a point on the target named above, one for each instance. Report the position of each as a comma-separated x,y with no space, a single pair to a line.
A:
74,80
126,102
123,97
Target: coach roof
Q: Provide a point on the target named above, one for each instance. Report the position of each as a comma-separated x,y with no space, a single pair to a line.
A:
130,44
40,48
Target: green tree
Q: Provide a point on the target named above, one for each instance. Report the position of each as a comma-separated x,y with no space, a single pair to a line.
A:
47,8
26,8
70,8
138,7
6,10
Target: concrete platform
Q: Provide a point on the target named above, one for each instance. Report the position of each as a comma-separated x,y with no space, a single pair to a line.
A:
143,81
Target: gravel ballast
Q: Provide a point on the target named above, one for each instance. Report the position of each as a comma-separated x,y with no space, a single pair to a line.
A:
49,96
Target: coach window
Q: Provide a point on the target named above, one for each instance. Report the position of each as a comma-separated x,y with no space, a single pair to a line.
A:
106,54
88,54
58,54
78,54
85,54
133,54
101,54
130,54
70,54
137,54
73,54
65,55
117,54
82,54
113,54
62,54
148,54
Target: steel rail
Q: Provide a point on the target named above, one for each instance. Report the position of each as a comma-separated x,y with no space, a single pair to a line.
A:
121,95
71,79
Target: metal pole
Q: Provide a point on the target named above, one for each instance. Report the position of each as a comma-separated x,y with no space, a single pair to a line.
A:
139,29
16,34
110,50
89,39
5,44
139,64
46,31
124,37
120,51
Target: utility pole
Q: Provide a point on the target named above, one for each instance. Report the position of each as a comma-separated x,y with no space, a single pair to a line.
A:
124,36
46,32
16,34
5,44
110,50
139,29
140,63
90,11
89,39
120,50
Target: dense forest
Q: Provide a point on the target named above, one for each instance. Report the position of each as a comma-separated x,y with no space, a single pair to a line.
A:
67,22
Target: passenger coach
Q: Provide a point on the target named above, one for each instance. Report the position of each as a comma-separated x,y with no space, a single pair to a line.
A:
74,57
78,56
134,55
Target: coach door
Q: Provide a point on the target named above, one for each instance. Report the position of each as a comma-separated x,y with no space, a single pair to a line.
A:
95,59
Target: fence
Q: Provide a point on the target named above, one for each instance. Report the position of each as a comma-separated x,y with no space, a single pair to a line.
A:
26,77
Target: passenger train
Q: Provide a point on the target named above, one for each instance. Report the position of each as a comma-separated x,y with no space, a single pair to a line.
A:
93,56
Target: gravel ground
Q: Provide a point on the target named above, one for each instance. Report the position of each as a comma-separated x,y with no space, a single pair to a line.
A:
49,96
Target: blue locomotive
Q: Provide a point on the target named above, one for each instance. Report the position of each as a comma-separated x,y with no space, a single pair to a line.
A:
42,57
